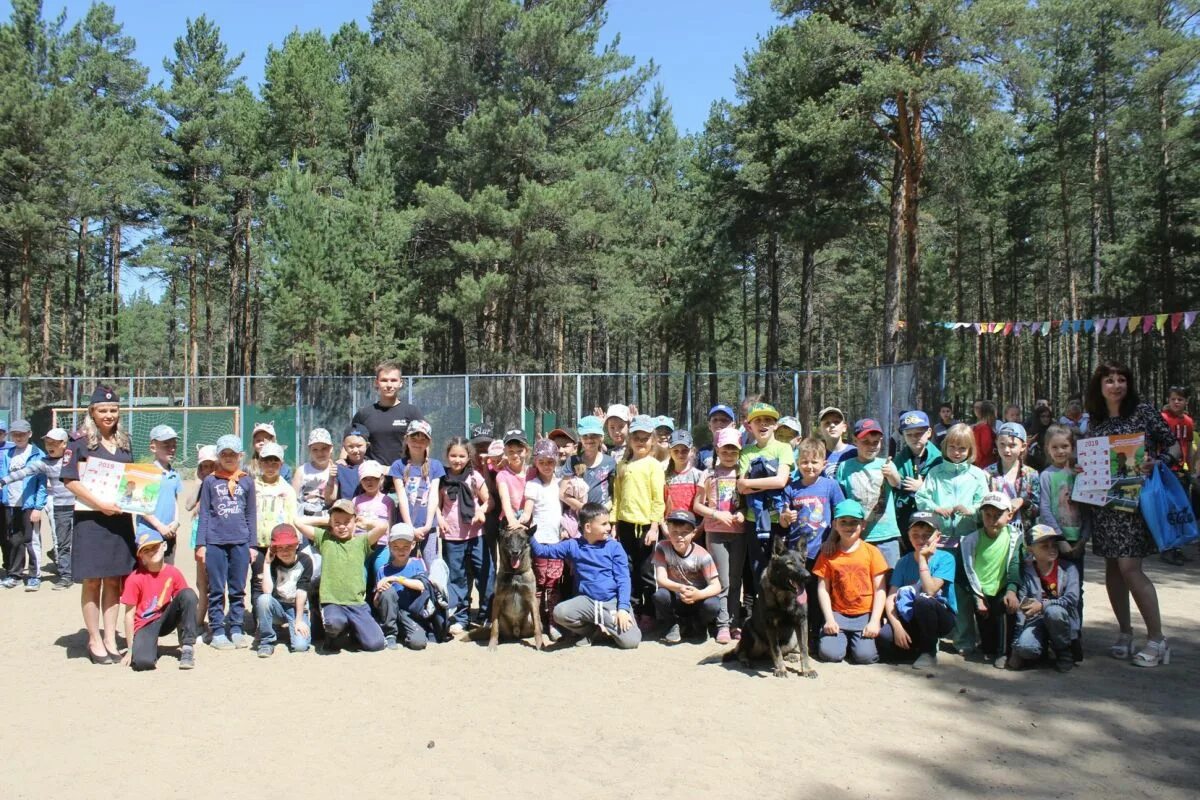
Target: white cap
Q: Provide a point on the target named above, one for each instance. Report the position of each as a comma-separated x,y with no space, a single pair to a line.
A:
56,434
371,469
996,500
206,453
271,450
319,436
163,433
269,427
619,411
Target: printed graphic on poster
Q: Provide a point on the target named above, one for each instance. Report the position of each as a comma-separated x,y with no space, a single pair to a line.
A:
132,487
1112,471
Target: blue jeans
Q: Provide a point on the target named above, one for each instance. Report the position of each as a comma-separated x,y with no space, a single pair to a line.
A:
1051,628
355,621
227,567
833,647
475,554
890,550
267,611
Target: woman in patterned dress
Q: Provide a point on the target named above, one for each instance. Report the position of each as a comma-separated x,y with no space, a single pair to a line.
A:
1122,538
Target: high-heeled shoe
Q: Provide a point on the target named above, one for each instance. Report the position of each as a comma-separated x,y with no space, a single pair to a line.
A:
1154,653
104,660
1122,648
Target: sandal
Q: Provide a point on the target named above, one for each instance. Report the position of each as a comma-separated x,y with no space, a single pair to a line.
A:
1154,653
1123,647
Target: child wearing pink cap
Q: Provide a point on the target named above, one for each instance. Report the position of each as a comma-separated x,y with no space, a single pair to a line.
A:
720,506
375,511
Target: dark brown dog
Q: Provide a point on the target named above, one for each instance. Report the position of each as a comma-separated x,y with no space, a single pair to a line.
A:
778,626
515,604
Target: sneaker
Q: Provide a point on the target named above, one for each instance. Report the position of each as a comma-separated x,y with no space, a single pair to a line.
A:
456,629
1001,662
553,633
723,636
266,650
241,641
62,583
32,584
187,657
925,661
221,642
9,583
390,643
673,635
583,641
1015,662
1063,662
52,555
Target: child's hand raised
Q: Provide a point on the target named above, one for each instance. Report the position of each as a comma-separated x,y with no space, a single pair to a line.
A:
788,516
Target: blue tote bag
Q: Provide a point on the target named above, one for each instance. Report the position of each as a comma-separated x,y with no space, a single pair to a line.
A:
1167,510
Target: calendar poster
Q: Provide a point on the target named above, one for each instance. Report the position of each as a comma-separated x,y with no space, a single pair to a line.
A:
133,487
1112,471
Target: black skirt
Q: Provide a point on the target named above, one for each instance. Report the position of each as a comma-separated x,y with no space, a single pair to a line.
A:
103,546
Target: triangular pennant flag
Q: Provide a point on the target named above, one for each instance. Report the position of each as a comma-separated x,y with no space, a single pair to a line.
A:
998,327
1147,323
1122,323
1008,328
1089,325
1109,324
1188,318
975,325
1160,321
1077,326
1176,318
1046,328
1134,322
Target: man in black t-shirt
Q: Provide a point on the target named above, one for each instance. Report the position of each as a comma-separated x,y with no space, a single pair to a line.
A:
386,420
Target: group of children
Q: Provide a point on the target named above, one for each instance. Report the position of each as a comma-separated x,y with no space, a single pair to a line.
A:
634,532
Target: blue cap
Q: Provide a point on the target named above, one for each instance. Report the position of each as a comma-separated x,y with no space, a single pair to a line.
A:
163,433
591,426
1013,429
230,442
147,538
910,420
721,408
681,437
664,422
3,425
849,508
642,423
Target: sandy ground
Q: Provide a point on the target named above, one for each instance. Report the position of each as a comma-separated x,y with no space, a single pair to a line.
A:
458,721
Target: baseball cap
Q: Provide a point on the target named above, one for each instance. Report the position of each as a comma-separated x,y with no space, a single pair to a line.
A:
354,430
420,426
515,435
319,436
923,518
345,505
790,422
271,450
56,434
230,442
1013,429
641,424
495,449
721,408
163,433
911,420
20,426
762,410
827,410
591,426
103,394
619,411
681,437
206,453
682,515
3,425
729,436
1043,533
401,532
996,500
371,469
265,427
864,426
544,448
148,539
481,433
664,422
564,433
284,535
849,508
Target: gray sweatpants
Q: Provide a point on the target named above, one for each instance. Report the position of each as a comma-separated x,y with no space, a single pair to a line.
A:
728,551
584,616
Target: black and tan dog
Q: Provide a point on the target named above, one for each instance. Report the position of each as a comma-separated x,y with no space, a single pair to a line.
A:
778,626
515,604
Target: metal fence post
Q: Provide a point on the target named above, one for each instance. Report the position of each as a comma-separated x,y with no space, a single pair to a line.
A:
521,412
796,394
578,397
690,383
20,400
741,388
187,401
74,401
467,406
637,400
241,405
296,441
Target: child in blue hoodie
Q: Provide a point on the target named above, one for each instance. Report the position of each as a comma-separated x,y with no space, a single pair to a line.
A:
23,501
228,514
602,584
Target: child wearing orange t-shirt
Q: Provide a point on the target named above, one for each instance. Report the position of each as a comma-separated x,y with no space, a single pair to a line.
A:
851,577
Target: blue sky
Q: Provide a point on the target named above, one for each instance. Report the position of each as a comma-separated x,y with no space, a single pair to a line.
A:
696,43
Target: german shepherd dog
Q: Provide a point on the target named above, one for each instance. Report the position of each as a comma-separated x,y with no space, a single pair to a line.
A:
778,625
515,604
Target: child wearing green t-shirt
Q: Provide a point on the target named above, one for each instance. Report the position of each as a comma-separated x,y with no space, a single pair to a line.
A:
992,560
344,608
764,469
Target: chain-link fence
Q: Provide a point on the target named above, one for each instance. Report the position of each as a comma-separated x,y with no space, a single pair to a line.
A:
203,408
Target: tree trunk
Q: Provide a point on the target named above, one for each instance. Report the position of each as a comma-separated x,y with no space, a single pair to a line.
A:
112,346
773,270
79,308
44,356
891,283
913,143
27,290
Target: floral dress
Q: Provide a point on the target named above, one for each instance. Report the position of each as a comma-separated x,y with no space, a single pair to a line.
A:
1119,534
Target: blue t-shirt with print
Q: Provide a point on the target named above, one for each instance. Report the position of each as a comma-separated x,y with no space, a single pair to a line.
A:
415,484
412,569
906,573
167,504
813,506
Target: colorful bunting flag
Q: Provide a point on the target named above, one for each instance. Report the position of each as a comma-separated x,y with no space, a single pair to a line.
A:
1147,323
1097,325
1188,318
1160,320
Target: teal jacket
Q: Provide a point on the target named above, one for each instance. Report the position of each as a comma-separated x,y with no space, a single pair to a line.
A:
906,502
948,485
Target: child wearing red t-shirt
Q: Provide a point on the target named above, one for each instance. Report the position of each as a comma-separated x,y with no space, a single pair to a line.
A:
157,600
